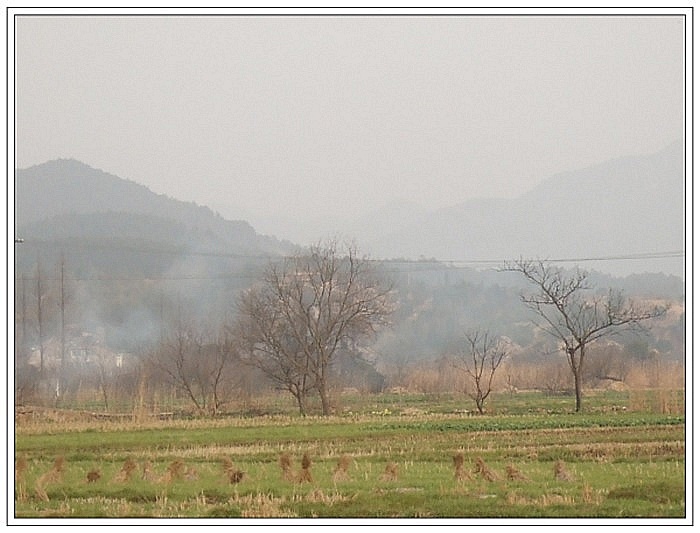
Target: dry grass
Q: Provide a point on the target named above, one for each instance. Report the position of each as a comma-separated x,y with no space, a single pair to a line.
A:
604,452
591,496
21,466
658,400
329,499
262,506
545,500
40,420
588,496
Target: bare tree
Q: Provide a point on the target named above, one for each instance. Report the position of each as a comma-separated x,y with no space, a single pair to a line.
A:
222,369
103,376
200,368
574,314
480,359
177,357
296,321
269,342
24,380
40,295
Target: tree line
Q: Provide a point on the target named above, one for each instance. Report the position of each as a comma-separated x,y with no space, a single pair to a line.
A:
308,317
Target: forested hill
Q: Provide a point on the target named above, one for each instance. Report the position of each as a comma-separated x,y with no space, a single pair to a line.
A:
70,205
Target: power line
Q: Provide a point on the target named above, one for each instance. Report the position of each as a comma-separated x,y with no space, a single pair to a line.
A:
466,262
144,278
231,255
143,249
419,265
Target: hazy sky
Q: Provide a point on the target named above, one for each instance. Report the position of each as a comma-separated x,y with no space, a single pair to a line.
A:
340,114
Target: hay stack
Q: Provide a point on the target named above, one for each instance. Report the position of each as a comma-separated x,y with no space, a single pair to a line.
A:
481,468
391,472
52,476
561,473
175,472
126,471
513,474
341,469
147,473
232,473
458,462
285,463
305,474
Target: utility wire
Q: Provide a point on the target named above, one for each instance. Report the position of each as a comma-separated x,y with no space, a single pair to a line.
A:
418,266
147,250
140,249
621,257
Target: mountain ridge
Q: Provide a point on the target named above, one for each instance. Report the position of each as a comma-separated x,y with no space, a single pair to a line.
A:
628,205
65,196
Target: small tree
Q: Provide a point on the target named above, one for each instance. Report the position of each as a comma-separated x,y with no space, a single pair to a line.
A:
480,359
178,358
306,308
575,315
222,369
200,368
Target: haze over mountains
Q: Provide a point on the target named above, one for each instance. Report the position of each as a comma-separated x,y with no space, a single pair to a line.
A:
631,205
627,206
129,254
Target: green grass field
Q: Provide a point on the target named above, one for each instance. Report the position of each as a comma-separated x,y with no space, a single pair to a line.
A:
381,457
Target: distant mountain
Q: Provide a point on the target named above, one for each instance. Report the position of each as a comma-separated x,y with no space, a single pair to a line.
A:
65,204
630,205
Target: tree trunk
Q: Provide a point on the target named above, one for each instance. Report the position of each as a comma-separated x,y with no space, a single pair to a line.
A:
301,401
325,400
480,405
577,388
322,384
578,377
